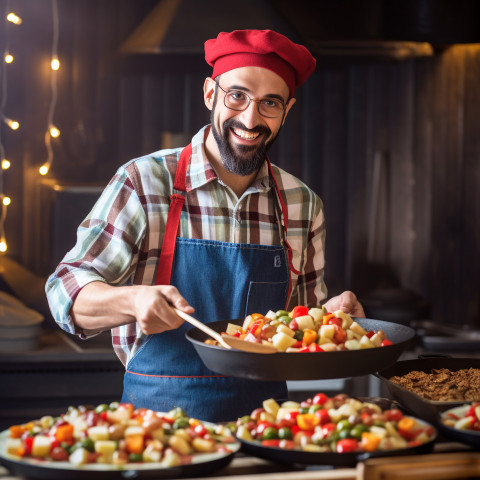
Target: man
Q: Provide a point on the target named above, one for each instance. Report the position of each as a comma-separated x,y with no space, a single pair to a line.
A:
212,228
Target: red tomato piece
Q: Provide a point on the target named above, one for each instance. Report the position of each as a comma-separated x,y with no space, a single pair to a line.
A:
347,445
271,443
287,444
393,415
314,347
291,417
256,413
299,311
328,428
320,399
340,335
28,442
200,430
293,324
323,415
334,321
386,343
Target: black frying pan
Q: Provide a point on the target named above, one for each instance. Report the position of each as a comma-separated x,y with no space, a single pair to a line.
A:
349,459
302,366
421,407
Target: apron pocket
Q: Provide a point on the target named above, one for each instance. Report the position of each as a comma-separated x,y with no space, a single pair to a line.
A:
265,296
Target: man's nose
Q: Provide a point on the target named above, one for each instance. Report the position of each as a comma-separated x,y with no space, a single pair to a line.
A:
250,116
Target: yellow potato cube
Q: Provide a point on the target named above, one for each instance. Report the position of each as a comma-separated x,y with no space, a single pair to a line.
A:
365,342
317,314
271,406
304,322
105,447
179,444
357,328
98,432
281,341
41,446
327,331
203,445
14,446
284,329
232,329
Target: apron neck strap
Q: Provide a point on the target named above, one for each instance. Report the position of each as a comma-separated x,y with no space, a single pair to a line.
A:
283,206
165,262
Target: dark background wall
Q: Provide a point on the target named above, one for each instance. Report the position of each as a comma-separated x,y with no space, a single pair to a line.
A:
392,147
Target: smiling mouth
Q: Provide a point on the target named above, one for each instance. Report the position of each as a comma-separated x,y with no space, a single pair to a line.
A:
243,134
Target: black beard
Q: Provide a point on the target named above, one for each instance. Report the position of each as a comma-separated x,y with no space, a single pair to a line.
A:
242,159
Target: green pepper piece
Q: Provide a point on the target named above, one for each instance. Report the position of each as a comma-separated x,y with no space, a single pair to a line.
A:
344,433
298,335
344,424
177,412
285,319
135,457
281,313
285,433
270,433
182,422
101,408
357,431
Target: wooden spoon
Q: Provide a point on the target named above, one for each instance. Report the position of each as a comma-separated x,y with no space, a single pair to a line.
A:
227,341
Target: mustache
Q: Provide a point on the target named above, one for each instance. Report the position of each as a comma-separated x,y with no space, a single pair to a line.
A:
233,123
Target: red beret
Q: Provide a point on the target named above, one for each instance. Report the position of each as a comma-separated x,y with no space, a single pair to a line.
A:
260,48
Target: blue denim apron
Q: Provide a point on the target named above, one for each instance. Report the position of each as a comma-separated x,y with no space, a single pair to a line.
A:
221,281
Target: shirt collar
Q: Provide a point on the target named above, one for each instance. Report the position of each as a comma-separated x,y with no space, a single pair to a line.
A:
200,171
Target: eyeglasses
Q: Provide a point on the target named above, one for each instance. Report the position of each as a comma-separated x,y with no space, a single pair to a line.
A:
239,101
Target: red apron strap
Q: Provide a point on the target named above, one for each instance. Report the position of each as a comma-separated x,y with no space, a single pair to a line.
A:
291,268
165,263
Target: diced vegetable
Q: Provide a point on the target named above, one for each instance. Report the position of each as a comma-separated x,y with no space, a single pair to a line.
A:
41,446
117,434
337,424
282,341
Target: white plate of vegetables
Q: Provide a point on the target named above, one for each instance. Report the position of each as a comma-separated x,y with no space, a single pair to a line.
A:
116,441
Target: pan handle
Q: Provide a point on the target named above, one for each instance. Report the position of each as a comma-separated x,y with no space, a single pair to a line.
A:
434,355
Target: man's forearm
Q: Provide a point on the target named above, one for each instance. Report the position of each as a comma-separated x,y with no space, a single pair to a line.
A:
100,306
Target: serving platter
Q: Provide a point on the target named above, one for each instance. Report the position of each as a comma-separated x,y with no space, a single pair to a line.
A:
413,403
198,464
348,459
302,366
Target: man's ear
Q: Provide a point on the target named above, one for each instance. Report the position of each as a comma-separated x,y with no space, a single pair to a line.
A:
209,92
289,105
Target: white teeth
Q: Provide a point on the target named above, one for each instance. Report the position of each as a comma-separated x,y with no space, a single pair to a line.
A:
246,135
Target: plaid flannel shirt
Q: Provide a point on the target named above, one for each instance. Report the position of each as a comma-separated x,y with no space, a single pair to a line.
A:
119,242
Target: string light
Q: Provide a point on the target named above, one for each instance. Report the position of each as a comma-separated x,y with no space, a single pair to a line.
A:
55,64
13,124
11,17
14,19
52,131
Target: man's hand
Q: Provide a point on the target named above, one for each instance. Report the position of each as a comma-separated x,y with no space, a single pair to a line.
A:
153,308
347,302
